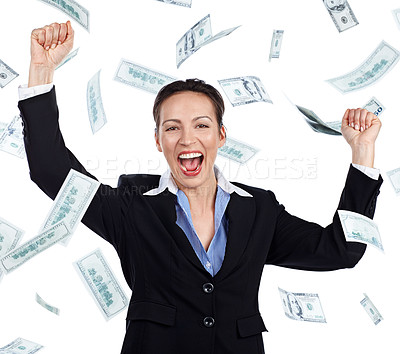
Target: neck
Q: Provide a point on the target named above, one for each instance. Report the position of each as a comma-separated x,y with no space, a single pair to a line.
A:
201,198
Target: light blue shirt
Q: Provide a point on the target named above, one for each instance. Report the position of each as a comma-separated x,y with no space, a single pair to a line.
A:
212,258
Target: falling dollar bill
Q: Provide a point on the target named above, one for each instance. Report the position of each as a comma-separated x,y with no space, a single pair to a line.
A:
10,235
396,14
68,58
72,9
317,124
141,77
6,74
48,307
359,228
21,346
244,90
102,284
237,151
341,14
3,126
374,106
302,306
97,116
72,201
394,177
184,3
371,310
384,58
12,139
276,43
196,37
18,256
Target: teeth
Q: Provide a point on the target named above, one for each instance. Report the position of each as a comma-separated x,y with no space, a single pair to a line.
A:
190,156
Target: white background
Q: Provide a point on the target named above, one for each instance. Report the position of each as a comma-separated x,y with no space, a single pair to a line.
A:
306,170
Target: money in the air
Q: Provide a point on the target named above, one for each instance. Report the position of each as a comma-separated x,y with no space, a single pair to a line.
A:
10,236
341,13
101,283
359,228
48,307
237,151
12,139
97,116
394,176
302,306
18,256
72,201
184,3
396,15
6,74
371,310
139,76
244,90
21,346
384,58
276,43
72,9
196,37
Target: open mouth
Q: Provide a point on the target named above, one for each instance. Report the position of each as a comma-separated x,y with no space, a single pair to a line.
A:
190,163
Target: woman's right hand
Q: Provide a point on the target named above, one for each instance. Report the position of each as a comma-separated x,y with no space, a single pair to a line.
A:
49,46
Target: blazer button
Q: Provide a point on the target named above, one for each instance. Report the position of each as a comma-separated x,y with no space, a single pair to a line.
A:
208,288
208,322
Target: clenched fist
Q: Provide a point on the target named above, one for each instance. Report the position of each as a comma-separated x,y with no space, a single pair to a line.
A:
49,46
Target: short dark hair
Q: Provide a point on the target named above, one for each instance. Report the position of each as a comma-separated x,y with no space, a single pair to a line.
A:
194,85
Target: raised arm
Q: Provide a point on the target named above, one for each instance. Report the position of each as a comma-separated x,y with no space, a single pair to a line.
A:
48,158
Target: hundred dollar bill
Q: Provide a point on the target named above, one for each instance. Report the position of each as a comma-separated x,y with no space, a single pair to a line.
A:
141,77
302,306
9,236
6,74
317,124
96,112
102,284
384,58
43,303
21,346
276,44
68,58
18,256
371,310
198,36
12,139
396,14
341,14
244,90
72,9
237,151
359,228
72,201
394,177
185,3
374,106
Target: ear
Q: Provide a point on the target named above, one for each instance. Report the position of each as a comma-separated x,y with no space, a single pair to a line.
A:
222,136
156,137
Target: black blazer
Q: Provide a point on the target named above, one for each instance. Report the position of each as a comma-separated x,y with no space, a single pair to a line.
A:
177,307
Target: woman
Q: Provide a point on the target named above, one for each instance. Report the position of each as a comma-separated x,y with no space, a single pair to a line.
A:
192,245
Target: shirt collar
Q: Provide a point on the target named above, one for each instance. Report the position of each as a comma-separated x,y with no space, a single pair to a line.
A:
166,181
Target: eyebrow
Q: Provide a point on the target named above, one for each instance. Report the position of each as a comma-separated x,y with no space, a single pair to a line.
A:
179,121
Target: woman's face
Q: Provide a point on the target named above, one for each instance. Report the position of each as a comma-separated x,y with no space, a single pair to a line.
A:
189,137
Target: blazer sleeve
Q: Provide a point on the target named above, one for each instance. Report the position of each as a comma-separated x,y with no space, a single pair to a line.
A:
305,245
50,161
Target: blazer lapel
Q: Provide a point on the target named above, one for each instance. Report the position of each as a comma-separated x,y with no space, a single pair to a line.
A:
164,206
240,213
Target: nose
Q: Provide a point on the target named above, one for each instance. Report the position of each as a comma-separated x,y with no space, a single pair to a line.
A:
187,137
